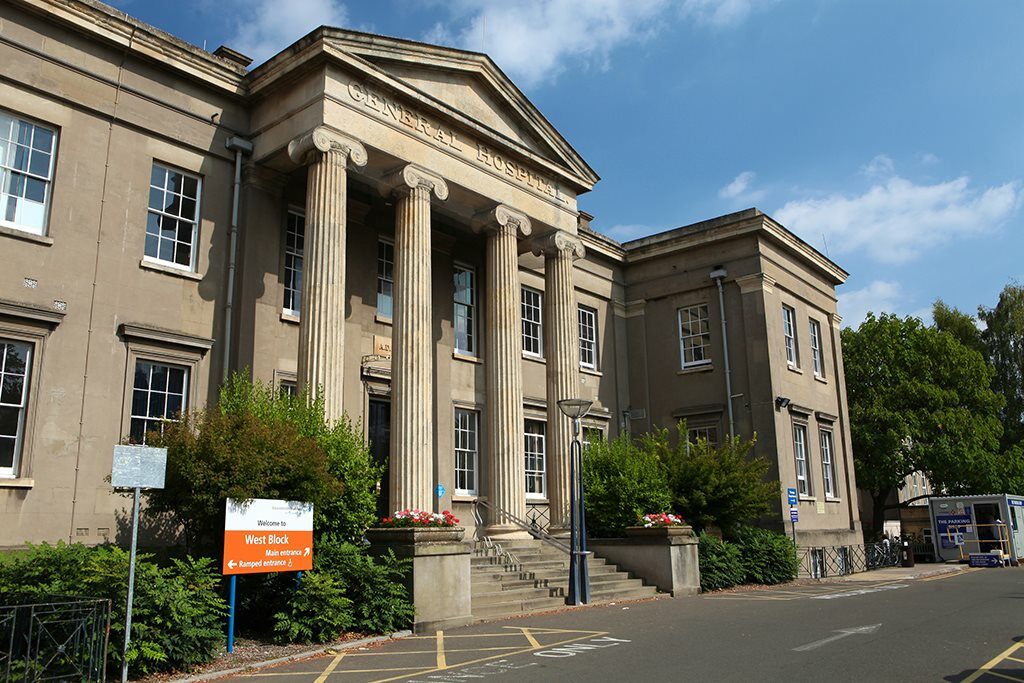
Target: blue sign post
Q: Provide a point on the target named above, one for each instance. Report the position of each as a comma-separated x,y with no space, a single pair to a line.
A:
794,512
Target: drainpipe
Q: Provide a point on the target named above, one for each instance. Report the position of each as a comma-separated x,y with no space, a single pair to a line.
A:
718,274
239,146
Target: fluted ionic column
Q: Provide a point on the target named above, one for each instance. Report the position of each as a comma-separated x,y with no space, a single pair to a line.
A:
503,365
412,357
322,322
562,362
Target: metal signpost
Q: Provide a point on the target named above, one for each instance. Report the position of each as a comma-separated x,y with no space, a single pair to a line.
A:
135,467
263,536
794,512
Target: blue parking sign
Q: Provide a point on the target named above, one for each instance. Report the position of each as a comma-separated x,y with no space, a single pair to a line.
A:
794,515
791,494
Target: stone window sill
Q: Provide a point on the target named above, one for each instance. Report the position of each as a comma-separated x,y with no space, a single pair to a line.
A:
794,368
289,317
465,497
819,378
691,369
591,371
833,500
169,270
535,359
808,499
466,357
381,319
18,483
530,500
26,236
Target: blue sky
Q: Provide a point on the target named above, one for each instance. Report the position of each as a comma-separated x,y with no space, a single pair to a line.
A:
889,135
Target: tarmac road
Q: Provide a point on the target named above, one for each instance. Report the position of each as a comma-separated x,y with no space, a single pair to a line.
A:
942,628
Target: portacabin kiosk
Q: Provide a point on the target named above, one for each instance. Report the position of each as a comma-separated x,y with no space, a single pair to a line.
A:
989,525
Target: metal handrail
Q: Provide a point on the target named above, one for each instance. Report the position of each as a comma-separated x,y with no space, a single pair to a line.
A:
509,559
531,529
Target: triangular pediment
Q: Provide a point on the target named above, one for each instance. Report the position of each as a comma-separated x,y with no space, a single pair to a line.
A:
467,85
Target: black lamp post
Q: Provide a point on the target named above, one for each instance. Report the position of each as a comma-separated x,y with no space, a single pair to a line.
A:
579,581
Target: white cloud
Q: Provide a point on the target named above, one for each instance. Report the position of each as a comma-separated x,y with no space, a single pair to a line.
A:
739,190
265,27
533,41
928,159
879,167
721,13
895,221
880,296
738,185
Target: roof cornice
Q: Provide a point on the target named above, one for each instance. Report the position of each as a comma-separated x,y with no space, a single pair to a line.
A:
112,26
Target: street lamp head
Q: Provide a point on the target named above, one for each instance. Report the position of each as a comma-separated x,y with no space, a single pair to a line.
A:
574,408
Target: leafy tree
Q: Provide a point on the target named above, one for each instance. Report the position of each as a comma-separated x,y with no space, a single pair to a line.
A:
719,485
919,399
622,481
959,324
258,444
1003,339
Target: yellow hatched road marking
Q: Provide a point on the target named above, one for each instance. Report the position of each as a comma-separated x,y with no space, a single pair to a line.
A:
1014,659
442,662
950,575
529,637
999,675
589,634
986,669
430,652
330,667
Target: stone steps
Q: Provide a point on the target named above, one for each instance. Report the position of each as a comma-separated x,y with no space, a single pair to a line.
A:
538,582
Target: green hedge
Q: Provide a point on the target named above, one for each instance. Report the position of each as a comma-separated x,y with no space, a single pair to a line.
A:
622,482
768,557
177,615
721,565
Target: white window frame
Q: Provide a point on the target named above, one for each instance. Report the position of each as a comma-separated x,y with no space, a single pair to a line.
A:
8,146
385,277
590,433
707,432
803,472
694,344
535,451
21,404
789,333
587,323
294,249
163,419
468,311
531,306
159,214
467,451
817,360
828,463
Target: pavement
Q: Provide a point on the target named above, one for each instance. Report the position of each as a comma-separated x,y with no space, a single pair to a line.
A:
928,623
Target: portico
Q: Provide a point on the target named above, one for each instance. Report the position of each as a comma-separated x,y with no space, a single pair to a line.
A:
450,157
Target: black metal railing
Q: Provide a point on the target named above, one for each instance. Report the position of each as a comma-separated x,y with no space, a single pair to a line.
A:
538,516
818,562
53,638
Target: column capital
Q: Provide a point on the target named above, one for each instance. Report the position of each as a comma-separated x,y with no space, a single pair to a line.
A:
501,216
321,140
559,243
412,176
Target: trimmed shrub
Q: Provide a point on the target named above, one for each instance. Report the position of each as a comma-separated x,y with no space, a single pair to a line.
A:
622,482
768,557
721,565
177,615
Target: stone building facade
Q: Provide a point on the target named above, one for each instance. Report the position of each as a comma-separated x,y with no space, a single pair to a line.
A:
392,221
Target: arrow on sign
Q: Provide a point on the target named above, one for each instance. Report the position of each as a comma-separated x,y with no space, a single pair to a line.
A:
839,635
231,564
306,553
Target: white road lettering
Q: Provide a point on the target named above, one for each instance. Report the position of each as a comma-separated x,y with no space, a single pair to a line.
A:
839,635
860,591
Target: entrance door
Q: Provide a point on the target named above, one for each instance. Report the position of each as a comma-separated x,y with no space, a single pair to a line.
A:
380,450
986,518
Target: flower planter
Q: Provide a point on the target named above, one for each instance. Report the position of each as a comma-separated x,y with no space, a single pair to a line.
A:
413,534
659,531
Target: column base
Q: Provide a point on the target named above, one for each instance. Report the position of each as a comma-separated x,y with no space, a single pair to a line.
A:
560,531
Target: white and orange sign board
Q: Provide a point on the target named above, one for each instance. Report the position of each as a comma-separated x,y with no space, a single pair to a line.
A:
263,535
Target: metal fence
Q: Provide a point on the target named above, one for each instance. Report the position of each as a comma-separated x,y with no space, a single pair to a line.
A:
53,639
840,560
